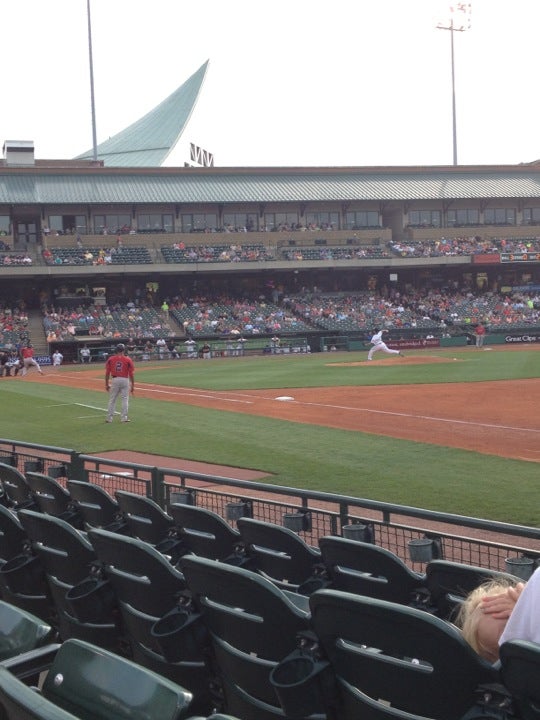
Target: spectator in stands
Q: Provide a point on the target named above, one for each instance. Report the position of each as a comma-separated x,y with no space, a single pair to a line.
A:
519,608
498,611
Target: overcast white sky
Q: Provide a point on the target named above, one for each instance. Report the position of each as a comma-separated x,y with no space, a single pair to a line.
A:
290,82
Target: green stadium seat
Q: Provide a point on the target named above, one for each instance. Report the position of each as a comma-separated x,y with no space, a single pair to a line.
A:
21,631
89,683
520,670
393,662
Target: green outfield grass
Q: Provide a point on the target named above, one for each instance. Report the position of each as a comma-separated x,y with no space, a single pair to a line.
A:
293,454
323,369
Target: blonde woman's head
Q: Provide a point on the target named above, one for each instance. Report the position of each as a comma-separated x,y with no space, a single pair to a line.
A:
481,630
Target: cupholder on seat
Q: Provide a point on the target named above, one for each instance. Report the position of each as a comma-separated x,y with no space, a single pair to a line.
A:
181,635
302,683
92,600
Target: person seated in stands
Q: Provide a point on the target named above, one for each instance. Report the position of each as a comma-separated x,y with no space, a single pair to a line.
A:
519,608
497,612
480,629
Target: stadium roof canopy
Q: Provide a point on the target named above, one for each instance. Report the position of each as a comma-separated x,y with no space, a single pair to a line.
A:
149,140
91,184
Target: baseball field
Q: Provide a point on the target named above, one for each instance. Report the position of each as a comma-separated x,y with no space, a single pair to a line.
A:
454,430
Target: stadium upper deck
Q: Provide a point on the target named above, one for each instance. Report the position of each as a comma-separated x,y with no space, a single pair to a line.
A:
336,228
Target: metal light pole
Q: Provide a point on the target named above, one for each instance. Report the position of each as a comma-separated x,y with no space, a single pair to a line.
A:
456,24
92,99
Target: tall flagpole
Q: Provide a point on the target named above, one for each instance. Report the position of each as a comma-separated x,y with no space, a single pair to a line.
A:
92,99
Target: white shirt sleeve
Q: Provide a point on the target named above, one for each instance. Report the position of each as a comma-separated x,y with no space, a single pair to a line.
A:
524,621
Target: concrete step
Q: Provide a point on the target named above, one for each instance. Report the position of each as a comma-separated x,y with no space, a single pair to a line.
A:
37,334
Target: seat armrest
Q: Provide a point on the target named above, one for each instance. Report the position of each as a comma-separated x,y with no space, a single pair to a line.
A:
32,662
301,601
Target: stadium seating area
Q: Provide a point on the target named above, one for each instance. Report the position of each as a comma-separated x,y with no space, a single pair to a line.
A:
180,253
428,311
13,326
117,321
9,259
435,312
97,256
447,247
178,614
328,252
226,316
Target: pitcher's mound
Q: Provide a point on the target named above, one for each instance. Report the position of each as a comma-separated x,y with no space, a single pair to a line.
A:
407,360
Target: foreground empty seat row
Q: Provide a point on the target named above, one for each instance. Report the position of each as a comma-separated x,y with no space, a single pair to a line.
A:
275,551
85,682
240,643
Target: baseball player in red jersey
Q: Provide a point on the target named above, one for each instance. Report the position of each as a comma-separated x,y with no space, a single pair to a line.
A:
119,382
27,355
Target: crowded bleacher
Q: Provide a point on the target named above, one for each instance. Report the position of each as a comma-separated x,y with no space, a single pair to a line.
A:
210,315
117,321
13,326
185,252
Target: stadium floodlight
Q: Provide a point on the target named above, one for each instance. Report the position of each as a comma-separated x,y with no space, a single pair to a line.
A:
92,98
459,20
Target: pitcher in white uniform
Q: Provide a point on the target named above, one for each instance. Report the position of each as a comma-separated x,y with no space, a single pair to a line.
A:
379,345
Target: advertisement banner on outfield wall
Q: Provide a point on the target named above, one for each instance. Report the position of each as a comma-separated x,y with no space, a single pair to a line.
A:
414,343
520,257
519,339
486,259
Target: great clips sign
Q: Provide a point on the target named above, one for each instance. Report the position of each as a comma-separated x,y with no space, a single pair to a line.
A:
523,339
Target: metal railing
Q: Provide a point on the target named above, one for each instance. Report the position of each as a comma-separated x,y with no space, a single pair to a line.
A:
314,514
